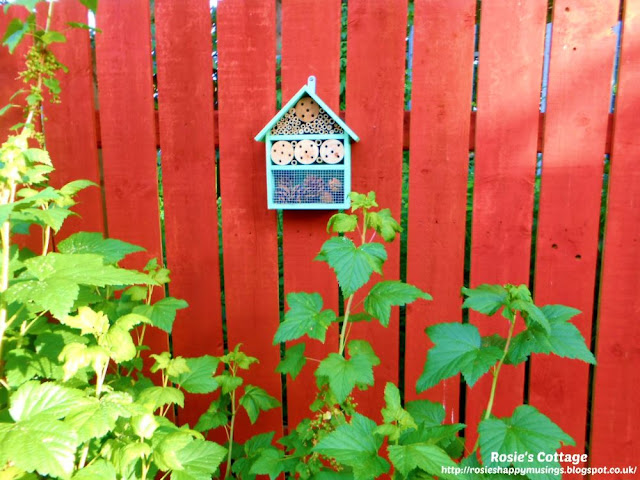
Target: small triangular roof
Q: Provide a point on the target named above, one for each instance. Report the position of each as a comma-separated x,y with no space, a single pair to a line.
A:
308,89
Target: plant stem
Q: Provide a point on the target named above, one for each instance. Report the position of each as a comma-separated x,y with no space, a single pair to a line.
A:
83,456
231,427
347,310
496,371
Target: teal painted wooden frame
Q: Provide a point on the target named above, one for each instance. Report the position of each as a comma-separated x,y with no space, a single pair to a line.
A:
344,167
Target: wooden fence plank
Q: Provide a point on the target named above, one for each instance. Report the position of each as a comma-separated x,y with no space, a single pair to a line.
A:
440,101
70,129
615,416
376,36
123,56
510,70
309,48
582,54
246,68
183,39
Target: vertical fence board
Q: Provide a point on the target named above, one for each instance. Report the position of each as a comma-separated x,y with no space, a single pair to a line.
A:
309,48
246,44
71,124
376,35
10,66
440,103
616,416
510,71
183,37
123,56
582,53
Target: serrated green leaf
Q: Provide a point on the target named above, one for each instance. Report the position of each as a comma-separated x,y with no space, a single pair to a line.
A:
162,313
97,418
355,445
269,462
527,430
383,295
364,348
99,470
110,249
143,425
487,299
199,378
255,400
304,317
458,349
563,338
425,412
360,200
342,223
396,419
35,399
293,361
228,383
199,459
353,265
37,155
384,224
343,374
216,415
14,34
41,444
156,397
429,458
88,321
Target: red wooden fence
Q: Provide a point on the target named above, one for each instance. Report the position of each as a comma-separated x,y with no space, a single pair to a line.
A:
506,133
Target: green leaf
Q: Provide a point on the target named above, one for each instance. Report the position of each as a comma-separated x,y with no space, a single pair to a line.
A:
562,339
425,412
228,383
216,415
88,322
304,317
119,343
343,374
162,313
364,348
487,299
97,418
36,399
458,349
270,462
28,4
57,280
37,155
156,397
527,430
353,265
143,425
14,34
360,200
293,361
255,400
199,459
90,4
429,458
199,378
396,418
342,223
355,445
41,444
385,294
99,470
6,108
112,250
384,224
53,37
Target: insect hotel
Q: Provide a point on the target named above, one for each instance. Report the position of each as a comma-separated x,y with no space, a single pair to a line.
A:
308,155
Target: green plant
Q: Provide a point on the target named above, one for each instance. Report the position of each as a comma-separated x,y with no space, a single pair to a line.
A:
75,401
339,442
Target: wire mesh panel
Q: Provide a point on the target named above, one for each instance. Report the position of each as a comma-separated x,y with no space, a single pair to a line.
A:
308,188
